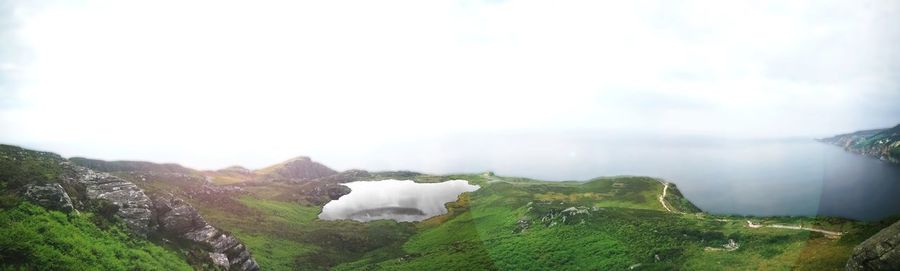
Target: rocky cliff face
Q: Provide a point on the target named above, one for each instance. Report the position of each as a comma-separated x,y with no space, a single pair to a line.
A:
69,187
179,219
883,144
133,205
879,252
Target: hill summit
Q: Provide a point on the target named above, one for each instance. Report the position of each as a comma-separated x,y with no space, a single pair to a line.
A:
298,168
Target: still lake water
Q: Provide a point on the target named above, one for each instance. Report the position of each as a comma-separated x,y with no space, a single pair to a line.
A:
764,178
392,199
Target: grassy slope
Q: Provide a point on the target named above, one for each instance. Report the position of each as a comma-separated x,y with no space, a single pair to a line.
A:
227,177
32,238
286,235
510,223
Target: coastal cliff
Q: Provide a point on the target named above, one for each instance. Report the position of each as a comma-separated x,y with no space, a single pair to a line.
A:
883,144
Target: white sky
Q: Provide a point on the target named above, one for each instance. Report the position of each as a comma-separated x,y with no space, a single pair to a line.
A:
214,83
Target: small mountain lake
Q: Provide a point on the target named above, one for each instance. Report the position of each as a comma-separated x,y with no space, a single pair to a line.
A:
400,200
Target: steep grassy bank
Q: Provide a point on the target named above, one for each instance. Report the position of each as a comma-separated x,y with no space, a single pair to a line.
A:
32,238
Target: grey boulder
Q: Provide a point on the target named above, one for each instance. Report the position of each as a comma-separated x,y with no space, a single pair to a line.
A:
50,196
879,252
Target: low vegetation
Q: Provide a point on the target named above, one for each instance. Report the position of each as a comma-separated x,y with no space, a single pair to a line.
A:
32,238
511,226
20,166
521,224
611,223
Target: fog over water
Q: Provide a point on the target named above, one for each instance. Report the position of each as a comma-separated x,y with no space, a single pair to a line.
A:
394,199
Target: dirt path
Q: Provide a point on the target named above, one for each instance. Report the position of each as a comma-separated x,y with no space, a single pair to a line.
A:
750,224
663,196
800,227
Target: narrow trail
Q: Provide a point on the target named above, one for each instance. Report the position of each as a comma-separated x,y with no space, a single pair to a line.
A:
799,227
663,196
832,234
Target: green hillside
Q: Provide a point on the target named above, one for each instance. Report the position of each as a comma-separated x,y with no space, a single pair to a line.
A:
32,238
610,223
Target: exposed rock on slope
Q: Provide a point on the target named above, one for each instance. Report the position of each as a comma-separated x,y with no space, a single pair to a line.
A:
56,183
879,252
175,217
51,196
883,144
322,190
133,205
179,219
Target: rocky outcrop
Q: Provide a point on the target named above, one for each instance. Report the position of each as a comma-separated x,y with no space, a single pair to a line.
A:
169,216
50,196
879,252
59,184
316,192
180,220
175,216
219,259
334,191
133,205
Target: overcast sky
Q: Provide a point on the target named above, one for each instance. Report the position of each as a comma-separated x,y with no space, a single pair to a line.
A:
214,83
